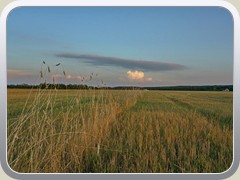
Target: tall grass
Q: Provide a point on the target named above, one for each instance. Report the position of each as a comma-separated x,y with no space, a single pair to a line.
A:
121,131
59,133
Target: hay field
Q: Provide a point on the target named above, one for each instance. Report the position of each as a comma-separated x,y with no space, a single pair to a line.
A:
119,131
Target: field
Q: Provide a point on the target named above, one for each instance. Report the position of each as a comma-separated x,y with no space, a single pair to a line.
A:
125,131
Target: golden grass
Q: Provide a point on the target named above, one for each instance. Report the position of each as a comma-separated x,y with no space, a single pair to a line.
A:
128,131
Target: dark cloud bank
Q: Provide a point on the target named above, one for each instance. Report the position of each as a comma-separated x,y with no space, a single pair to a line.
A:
97,60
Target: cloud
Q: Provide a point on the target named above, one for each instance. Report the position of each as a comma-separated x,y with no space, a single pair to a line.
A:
14,73
74,77
149,79
19,76
135,75
142,65
68,77
57,76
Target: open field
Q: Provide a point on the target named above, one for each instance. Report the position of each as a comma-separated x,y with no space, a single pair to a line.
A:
119,131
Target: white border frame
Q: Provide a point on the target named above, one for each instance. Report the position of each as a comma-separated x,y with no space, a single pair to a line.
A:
135,3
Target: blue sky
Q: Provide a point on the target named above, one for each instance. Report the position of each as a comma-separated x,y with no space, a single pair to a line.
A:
145,46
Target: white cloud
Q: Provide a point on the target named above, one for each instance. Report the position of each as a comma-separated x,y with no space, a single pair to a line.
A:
135,75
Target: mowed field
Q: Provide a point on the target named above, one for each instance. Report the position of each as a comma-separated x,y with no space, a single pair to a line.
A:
119,131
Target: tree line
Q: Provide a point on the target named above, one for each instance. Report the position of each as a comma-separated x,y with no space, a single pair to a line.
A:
53,86
84,86
195,88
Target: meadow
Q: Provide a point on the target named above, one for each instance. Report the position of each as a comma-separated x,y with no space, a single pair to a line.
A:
119,131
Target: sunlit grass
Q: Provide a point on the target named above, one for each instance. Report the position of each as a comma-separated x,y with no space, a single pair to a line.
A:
119,131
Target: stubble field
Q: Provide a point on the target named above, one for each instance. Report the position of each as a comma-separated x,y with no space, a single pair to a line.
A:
119,131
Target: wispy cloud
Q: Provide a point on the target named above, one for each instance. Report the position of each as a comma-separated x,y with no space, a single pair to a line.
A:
142,65
74,77
17,76
149,79
68,77
15,73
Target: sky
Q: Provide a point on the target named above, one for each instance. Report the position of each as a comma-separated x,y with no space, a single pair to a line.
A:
120,46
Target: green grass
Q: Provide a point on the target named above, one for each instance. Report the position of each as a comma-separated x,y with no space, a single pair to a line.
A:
128,131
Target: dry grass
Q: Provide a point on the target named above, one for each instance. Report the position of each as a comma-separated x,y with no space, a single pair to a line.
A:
119,131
